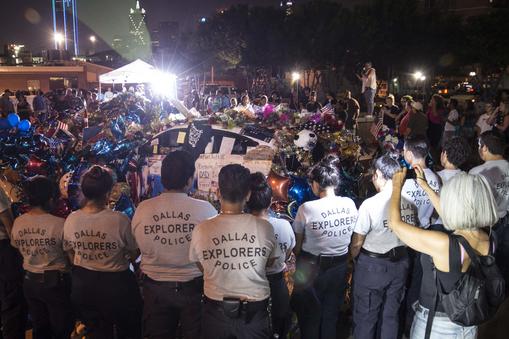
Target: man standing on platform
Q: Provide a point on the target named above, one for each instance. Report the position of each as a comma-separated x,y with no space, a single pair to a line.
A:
368,79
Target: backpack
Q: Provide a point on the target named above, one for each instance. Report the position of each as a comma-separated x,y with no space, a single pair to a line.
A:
477,294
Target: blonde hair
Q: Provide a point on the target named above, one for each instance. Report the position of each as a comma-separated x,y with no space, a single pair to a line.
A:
467,202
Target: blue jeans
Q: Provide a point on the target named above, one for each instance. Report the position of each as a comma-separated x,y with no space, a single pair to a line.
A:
317,302
443,327
369,97
378,289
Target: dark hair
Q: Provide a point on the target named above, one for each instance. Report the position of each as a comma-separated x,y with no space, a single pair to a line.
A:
40,190
96,182
417,145
494,141
326,172
387,166
176,169
439,101
261,193
457,150
234,182
453,102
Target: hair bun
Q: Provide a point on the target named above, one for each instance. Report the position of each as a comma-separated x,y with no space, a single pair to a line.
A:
257,181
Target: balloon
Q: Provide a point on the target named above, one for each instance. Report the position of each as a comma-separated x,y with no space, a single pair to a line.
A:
61,208
4,124
24,125
63,184
13,119
279,185
36,165
300,191
125,205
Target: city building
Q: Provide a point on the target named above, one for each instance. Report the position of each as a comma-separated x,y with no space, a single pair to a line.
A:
65,25
138,25
17,55
287,6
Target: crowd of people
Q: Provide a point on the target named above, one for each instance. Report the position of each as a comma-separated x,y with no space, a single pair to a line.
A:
181,268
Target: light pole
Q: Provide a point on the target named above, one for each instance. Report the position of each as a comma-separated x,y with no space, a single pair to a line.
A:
296,78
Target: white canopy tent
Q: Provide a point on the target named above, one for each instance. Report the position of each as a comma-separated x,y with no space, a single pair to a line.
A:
137,72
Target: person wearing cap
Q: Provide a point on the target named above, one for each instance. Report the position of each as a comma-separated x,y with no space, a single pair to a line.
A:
38,236
259,205
323,231
382,262
233,249
13,313
162,227
105,293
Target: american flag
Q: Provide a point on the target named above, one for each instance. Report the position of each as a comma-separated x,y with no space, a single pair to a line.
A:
62,125
327,109
375,128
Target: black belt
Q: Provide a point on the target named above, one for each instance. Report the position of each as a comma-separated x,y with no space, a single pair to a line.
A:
324,260
177,285
46,276
275,276
246,305
395,254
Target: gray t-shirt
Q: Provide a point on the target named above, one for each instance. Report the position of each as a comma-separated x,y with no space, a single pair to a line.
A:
285,242
497,174
327,225
101,241
448,174
234,250
162,227
413,192
4,205
374,224
39,239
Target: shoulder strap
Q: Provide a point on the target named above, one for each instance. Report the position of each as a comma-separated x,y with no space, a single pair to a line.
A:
474,258
455,263
432,311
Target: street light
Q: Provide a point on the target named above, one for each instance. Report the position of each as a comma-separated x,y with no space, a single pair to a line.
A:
59,38
92,39
295,76
418,75
472,74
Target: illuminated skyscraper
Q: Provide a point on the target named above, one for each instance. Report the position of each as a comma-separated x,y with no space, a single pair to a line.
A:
65,24
287,5
137,25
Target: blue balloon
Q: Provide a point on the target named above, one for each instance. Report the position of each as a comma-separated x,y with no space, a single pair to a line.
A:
13,119
125,205
300,191
24,125
4,124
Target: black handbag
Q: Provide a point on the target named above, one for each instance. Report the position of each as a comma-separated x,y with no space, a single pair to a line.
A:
476,296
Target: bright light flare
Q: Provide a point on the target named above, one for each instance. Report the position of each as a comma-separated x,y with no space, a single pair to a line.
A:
472,74
165,84
93,39
58,37
295,76
418,75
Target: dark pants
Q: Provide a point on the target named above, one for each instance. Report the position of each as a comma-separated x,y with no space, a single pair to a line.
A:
318,296
166,305
379,288
217,325
107,303
501,230
50,306
280,304
414,288
13,311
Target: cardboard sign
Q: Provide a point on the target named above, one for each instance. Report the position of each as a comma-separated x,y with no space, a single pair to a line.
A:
209,165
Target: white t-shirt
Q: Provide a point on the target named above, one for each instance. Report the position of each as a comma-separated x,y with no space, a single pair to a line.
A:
497,173
452,116
233,251
447,174
369,81
374,224
4,205
39,239
285,242
162,227
413,192
101,241
482,123
327,225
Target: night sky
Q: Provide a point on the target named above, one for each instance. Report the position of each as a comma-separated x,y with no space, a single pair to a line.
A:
29,21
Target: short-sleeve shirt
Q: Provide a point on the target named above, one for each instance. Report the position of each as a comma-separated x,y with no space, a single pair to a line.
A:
452,116
448,174
413,192
327,225
482,123
497,173
418,124
285,242
101,241
233,251
39,238
373,221
4,205
162,227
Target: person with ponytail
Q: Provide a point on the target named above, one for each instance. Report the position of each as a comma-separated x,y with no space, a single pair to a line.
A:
259,205
323,231
104,290
38,236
